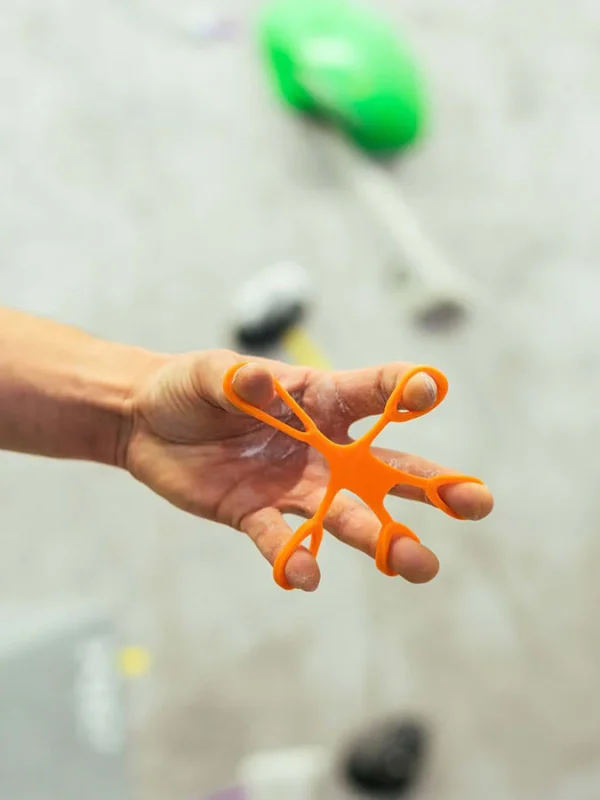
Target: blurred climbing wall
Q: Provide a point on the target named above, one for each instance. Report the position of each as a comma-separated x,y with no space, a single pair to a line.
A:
143,169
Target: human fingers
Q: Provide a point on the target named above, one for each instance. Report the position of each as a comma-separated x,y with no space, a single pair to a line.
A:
252,382
357,526
365,392
270,532
469,500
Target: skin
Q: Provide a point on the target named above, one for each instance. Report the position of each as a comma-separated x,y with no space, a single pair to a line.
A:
165,419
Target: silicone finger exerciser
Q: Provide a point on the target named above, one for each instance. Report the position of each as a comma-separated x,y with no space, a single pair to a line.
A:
355,467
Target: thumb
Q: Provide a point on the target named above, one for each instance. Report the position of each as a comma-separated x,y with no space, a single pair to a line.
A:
252,382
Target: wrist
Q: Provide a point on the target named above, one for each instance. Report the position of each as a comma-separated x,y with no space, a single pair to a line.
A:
112,399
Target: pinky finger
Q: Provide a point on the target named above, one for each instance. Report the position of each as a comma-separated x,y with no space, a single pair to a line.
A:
270,532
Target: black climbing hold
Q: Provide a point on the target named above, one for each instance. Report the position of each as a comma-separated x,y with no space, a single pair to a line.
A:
387,760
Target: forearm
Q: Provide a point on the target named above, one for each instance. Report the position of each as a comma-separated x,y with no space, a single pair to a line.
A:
63,393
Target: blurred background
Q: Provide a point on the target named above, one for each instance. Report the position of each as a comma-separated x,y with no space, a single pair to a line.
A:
146,171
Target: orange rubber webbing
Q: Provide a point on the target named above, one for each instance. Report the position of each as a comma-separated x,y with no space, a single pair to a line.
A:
354,467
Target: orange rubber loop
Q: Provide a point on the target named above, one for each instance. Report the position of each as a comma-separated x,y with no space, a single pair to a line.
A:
355,467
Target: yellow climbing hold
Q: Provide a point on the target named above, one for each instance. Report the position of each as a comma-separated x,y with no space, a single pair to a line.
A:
134,661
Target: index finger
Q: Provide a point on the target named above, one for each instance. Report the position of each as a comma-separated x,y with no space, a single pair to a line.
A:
364,392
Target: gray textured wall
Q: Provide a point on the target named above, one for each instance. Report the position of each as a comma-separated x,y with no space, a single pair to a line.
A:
140,174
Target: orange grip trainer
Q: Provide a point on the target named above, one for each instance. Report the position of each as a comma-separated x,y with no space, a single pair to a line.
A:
354,467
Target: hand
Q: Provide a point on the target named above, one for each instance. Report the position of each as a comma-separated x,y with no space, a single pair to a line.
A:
191,446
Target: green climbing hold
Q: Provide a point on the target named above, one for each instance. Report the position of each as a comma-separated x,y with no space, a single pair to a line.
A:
339,60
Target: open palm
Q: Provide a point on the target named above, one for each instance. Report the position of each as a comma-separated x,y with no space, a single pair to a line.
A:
189,444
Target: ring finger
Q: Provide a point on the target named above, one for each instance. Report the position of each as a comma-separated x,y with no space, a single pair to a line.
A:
357,526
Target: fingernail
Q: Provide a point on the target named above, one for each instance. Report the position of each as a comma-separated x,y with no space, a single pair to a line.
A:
430,389
236,374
